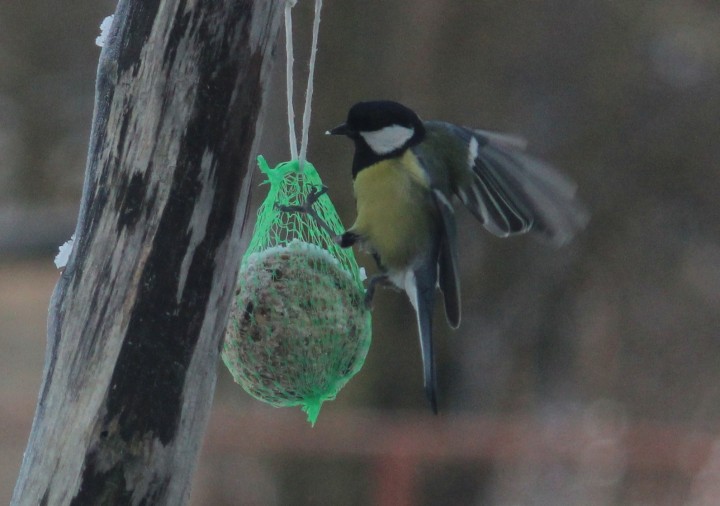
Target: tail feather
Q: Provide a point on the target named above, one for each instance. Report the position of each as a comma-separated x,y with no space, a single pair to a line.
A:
420,287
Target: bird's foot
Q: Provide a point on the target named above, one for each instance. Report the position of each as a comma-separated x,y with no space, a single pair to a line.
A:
379,279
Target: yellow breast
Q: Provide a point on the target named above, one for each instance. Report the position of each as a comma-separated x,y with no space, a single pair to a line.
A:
394,213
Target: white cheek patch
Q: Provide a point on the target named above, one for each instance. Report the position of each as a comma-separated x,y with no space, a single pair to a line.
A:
388,139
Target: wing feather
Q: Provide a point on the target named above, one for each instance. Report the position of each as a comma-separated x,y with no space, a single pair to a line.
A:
448,275
509,191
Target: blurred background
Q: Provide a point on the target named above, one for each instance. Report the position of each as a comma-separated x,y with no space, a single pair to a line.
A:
588,375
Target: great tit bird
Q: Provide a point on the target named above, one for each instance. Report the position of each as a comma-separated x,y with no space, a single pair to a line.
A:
407,171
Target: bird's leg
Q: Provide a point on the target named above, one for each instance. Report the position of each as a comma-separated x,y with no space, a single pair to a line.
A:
307,207
372,284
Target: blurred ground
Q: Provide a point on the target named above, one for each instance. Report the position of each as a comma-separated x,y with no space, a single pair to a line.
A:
593,371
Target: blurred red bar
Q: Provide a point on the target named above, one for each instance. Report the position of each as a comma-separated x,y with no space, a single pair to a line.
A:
398,443
394,481
423,437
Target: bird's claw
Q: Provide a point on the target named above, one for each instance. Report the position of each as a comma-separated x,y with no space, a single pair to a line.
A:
368,301
378,279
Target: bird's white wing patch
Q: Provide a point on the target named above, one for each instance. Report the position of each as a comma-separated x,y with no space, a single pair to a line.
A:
388,139
473,151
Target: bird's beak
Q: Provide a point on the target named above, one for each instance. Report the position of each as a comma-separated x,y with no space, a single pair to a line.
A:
342,129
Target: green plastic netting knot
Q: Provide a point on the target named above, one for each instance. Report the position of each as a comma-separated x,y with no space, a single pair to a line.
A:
299,328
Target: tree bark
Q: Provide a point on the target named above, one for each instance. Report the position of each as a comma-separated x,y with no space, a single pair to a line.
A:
137,317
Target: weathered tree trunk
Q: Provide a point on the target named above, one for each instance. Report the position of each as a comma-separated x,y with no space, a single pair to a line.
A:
137,316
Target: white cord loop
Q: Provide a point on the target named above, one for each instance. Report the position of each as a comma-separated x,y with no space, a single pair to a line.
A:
289,71
307,112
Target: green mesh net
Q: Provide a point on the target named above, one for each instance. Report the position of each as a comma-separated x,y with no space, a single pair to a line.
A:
299,329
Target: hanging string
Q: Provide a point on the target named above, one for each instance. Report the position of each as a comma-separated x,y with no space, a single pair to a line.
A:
307,112
289,72
311,77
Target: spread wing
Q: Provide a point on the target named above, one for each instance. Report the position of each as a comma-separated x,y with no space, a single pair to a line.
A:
509,191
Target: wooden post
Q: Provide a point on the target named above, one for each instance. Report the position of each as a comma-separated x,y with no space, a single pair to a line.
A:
137,317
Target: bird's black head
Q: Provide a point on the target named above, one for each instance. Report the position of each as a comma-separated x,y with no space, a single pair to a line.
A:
381,129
